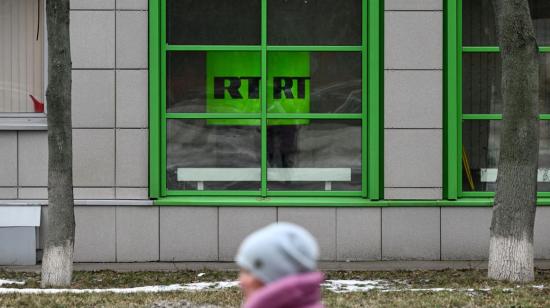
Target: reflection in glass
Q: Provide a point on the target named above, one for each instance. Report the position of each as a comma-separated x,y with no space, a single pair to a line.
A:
298,82
481,147
481,142
213,22
316,82
207,156
214,81
540,12
478,22
315,155
314,22
481,78
481,83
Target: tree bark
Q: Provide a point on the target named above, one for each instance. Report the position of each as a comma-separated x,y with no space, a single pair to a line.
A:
57,262
512,227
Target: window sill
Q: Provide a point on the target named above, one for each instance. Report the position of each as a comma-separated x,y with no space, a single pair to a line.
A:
229,201
23,121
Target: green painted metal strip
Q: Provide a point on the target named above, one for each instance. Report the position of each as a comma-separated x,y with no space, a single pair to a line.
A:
490,194
480,48
319,193
154,96
452,97
315,48
323,116
229,193
372,101
496,117
493,116
458,137
213,116
202,193
163,98
325,202
543,49
364,103
477,194
213,48
264,100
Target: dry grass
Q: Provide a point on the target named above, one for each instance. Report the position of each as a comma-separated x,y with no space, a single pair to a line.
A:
500,295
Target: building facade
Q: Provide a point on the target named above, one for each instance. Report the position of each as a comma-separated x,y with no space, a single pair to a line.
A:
372,123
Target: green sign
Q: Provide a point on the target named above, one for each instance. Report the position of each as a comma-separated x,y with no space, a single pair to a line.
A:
233,85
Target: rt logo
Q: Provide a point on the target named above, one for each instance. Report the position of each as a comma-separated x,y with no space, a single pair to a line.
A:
281,86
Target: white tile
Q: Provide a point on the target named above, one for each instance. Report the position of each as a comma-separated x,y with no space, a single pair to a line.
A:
411,5
93,39
413,40
413,99
93,99
33,158
413,158
130,193
8,158
132,158
94,157
132,38
92,4
95,236
132,101
131,4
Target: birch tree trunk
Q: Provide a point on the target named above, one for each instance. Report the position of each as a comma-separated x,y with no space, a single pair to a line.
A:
511,255
57,262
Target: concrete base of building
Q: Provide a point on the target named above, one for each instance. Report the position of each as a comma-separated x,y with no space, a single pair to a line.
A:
230,266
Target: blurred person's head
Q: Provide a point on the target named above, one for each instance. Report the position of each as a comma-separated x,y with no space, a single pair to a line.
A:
275,252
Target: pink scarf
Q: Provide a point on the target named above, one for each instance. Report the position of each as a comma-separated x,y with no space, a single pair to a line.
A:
297,291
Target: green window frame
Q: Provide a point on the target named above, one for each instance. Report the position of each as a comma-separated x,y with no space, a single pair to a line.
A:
370,116
454,115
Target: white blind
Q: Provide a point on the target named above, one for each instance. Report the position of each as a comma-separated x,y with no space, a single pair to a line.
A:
21,55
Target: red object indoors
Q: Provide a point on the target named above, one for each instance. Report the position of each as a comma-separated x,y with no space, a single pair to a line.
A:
38,105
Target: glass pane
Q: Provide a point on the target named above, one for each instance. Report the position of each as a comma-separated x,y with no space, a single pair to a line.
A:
212,155
315,155
481,140
481,78
213,81
481,83
314,22
478,22
316,82
544,83
213,22
540,12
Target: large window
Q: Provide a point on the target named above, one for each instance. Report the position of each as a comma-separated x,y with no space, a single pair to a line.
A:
264,98
21,56
475,100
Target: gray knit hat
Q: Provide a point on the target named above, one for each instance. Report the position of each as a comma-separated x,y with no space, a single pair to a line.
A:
278,250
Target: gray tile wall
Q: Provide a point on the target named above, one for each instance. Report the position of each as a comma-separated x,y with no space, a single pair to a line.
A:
110,110
140,234
413,103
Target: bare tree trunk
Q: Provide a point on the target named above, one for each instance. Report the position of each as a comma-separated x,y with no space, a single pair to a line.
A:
57,263
512,228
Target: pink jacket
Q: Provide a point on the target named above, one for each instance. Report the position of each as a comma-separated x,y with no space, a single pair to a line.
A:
298,291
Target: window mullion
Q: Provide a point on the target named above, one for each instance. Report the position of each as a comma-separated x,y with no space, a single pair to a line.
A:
263,100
